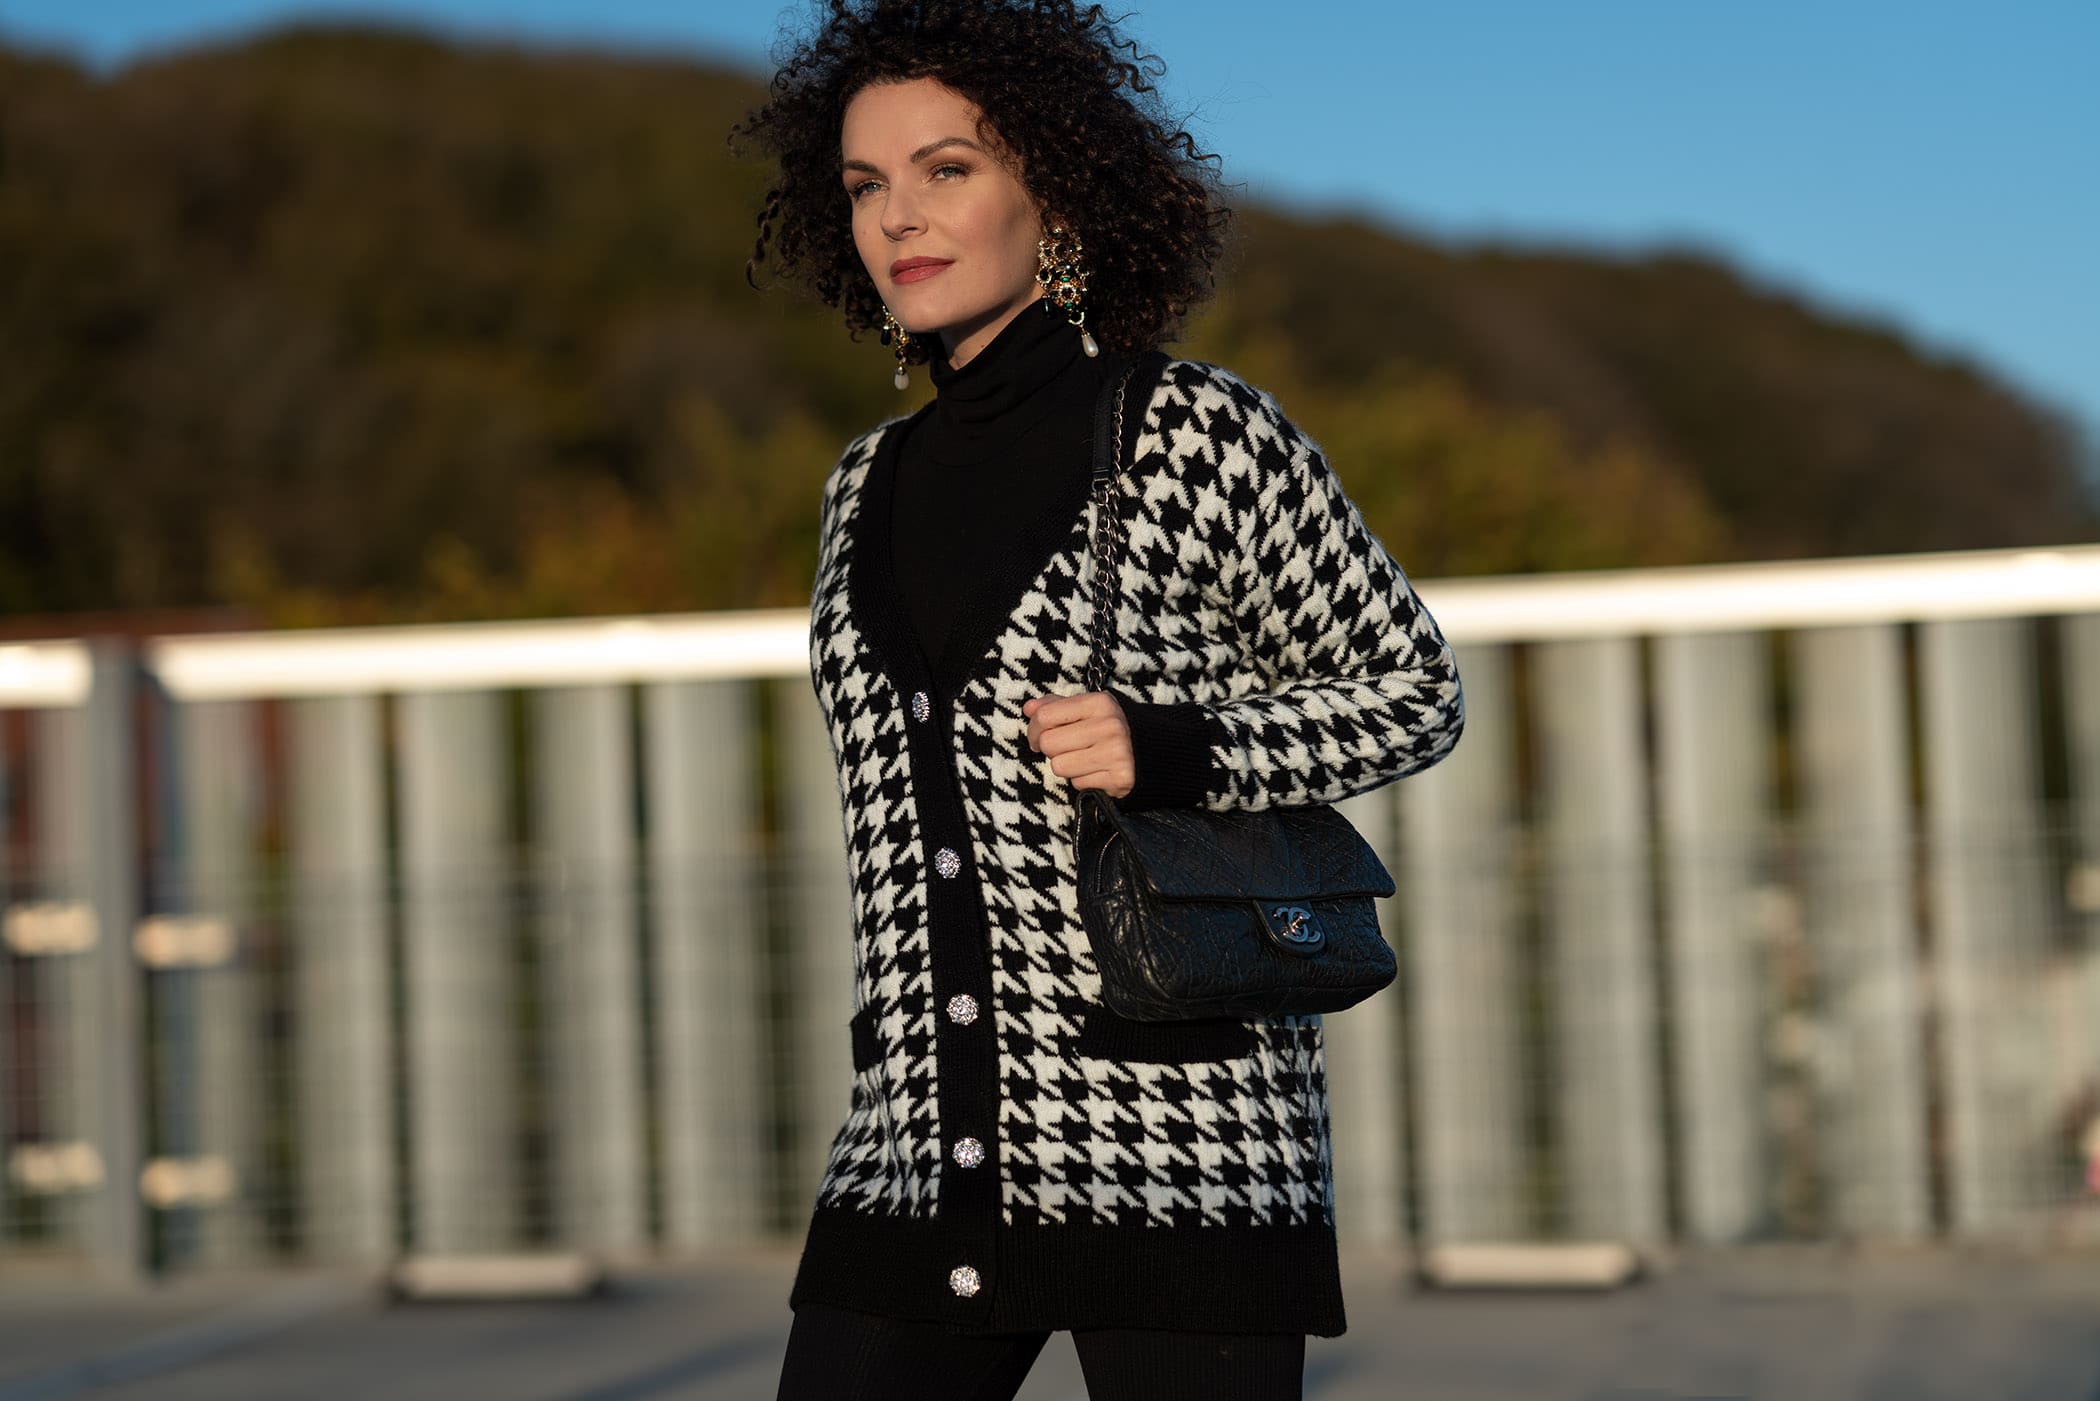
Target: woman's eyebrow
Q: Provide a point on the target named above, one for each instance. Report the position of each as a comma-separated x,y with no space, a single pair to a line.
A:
916,156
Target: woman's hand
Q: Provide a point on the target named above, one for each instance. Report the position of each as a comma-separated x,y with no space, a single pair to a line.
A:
1087,739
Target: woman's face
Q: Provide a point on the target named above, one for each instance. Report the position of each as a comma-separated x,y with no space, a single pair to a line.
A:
923,185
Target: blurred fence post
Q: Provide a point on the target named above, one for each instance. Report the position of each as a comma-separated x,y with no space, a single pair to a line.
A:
2082,709
219,796
1716,809
462,1042
707,921
820,940
590,948
342,973
1459,878
107,1022
2081,649
1365,1073
1599,924
1989,916
1853,739
63,1045
13,1005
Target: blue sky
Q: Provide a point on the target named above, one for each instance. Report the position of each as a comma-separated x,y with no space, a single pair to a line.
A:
1929,165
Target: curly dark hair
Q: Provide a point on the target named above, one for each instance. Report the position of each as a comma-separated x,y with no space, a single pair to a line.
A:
1081,122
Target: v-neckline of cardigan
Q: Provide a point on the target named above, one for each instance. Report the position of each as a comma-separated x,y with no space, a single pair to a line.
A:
983,615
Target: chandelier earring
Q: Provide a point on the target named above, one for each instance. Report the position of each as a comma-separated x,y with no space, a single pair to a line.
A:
1063,278
894,334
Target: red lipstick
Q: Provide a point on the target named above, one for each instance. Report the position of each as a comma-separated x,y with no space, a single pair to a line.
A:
916,269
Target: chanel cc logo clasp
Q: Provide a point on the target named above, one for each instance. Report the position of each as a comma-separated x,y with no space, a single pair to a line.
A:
1293,925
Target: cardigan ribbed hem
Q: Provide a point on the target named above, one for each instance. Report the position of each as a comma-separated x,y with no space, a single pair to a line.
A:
1172,746
1063,1277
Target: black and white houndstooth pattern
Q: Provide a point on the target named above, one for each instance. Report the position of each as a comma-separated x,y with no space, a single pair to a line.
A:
1250,585
887,1156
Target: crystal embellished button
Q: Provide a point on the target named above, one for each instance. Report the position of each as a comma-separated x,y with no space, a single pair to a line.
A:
921,705
968,1152
947,862
962,1009
964,1281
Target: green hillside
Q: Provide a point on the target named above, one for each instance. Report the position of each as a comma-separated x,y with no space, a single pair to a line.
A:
347,325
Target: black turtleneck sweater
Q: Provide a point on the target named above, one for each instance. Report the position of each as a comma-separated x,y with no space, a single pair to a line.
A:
992,479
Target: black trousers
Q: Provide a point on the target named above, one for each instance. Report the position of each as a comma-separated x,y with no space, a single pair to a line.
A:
839,1355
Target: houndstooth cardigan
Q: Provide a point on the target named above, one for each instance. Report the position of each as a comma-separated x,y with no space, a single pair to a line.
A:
1016,1157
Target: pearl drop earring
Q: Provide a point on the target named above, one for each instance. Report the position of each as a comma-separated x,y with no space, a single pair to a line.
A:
892,333
1063,278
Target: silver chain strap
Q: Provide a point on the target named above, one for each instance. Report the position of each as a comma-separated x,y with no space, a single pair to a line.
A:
1108,550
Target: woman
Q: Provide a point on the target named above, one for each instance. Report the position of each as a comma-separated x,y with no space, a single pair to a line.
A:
988,184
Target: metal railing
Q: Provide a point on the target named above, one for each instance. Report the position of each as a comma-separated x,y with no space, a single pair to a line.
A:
1758,901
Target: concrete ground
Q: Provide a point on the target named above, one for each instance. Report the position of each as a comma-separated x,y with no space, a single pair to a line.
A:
1792,1325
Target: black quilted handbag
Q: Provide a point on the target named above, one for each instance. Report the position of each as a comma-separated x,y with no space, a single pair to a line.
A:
1197,914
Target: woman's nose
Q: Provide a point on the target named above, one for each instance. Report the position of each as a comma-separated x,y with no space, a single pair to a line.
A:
901,216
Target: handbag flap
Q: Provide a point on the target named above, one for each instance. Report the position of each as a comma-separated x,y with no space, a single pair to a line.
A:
1285,853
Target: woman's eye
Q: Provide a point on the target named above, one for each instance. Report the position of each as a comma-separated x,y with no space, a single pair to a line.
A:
855,191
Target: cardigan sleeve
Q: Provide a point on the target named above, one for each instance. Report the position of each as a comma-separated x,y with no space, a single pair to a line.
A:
1172,745
1361,686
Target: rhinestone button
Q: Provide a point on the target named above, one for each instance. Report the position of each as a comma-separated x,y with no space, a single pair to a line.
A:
921,705
964,1281
968,1152
947,862
962,1009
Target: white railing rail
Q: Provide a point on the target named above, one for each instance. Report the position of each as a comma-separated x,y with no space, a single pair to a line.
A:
1787,594
774,642
38,674
483,656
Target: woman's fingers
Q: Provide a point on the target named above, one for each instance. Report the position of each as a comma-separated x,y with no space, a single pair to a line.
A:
1095,758
1049,713
1086,739
1116,776
1084,734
